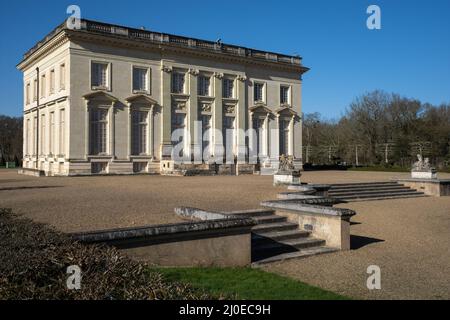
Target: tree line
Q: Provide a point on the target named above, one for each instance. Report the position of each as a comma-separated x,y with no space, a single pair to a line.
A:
379,128
11,139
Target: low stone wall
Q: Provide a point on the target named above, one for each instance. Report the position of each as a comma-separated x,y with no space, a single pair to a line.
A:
431,187
330,224
223,241
31,172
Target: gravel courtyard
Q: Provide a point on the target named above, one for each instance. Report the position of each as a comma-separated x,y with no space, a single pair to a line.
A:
408,238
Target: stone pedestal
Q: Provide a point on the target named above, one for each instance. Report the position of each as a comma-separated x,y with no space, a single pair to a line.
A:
286,178
424,174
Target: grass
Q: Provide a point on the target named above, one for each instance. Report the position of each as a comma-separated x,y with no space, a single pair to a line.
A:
246,284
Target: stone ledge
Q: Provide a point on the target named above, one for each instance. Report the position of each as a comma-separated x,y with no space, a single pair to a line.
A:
173,230
303,207
440,181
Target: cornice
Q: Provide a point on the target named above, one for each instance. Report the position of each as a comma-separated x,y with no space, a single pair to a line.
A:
48,47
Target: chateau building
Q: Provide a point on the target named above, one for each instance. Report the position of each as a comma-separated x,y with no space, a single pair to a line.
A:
104,98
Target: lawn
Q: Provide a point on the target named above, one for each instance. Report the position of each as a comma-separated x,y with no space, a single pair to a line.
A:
246,284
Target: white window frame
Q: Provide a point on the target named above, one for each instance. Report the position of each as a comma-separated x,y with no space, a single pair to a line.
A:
43,86
107,86
200,85
289,88
148,79
183,89
52,81
62,131
35,87
62,76
107,133
138,131
232,89
263,91
27,92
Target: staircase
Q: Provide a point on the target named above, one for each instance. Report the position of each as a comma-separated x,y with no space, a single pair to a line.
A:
275,239
372,191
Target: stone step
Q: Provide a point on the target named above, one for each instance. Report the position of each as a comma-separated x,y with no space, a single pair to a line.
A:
287,245
361,192
295,255
378,195
362,184
397,187
258,237
252,212
385,197
269,219
271,227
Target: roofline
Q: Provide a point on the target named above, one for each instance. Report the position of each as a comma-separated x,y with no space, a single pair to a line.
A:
102,28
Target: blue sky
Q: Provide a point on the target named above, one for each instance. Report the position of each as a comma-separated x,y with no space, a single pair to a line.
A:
410,55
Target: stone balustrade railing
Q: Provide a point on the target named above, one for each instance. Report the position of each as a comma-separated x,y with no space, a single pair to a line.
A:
131,33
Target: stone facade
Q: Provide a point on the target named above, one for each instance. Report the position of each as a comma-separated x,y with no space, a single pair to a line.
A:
108,99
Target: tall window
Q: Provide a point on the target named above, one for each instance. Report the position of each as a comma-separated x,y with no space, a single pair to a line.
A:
51,133
284,136
99,131
28,138
228,86
284,95
62,76
178,122
206,136
62,131
34,135
35,87
52,81
27,93
99,75
203,86
258,92
42,134
140,79
43,83
139,132
228,136
177,82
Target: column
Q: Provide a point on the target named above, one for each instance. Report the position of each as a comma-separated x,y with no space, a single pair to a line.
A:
291,136
112,134
195,140
240,118
166,112
218,118
266,136
150,132
130,130
86,131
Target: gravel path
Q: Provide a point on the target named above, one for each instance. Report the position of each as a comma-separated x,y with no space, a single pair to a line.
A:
408,238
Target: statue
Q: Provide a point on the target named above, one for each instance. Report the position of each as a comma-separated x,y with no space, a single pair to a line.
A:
286,163
422,169
286,174
417,166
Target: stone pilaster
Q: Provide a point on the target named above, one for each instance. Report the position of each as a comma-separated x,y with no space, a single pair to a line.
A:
218,118
193,118
166,112
240,118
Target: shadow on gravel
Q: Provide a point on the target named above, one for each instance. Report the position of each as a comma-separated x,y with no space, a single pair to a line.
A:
25,188
357,242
